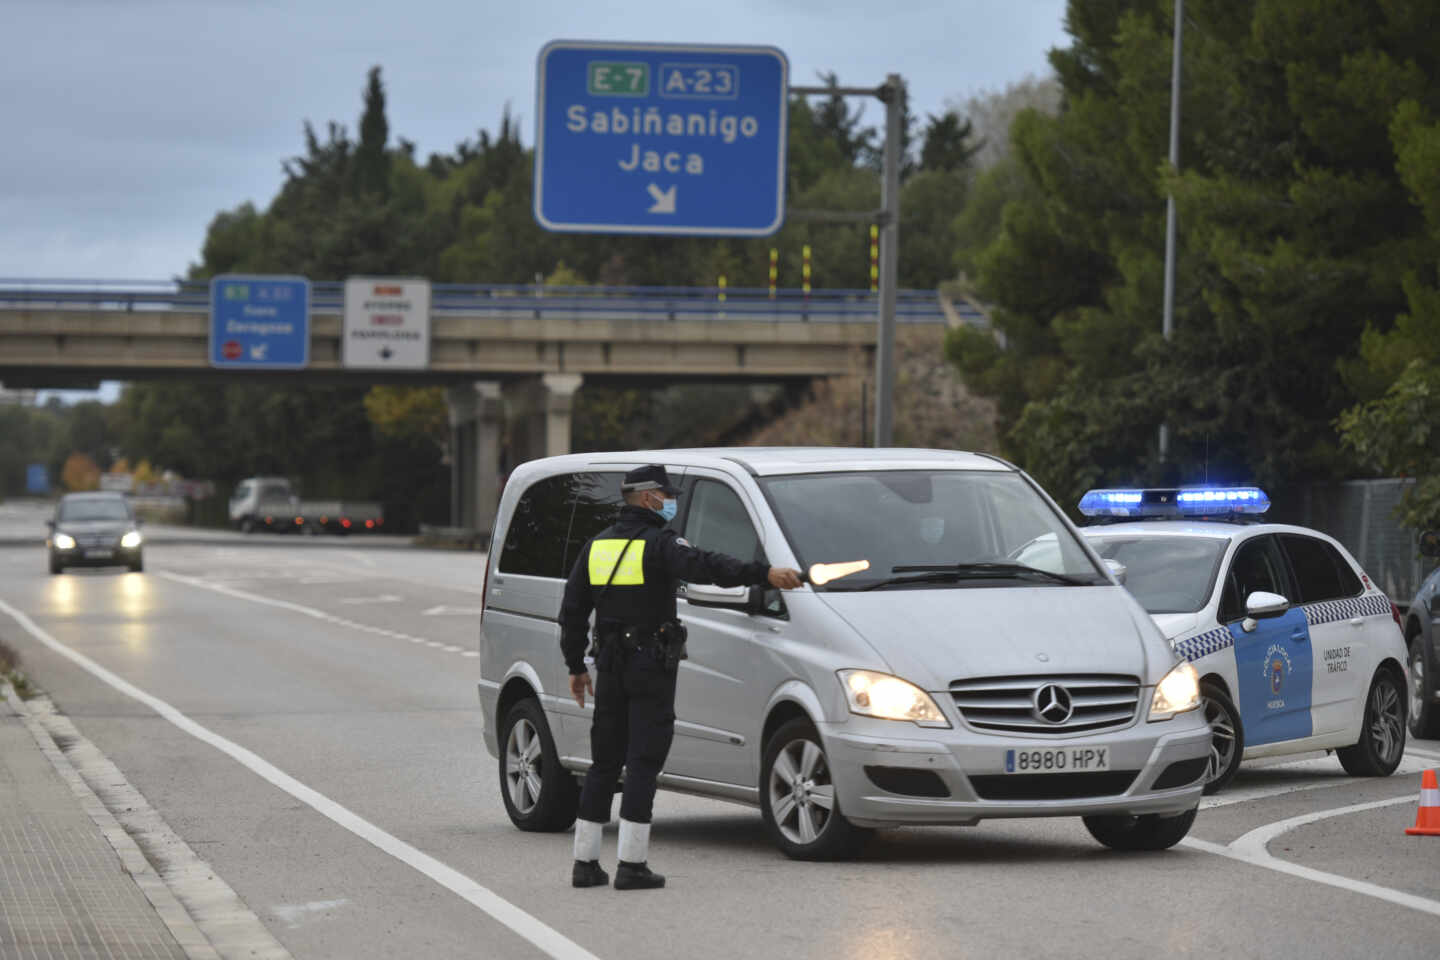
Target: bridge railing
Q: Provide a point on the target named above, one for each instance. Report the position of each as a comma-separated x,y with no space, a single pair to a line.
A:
516,301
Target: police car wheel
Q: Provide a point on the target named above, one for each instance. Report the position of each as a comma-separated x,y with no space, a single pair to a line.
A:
1382,732
1149,831
539,793
1227,737
797,798
1424,711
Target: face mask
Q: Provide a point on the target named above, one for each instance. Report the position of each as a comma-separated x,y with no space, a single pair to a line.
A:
667,510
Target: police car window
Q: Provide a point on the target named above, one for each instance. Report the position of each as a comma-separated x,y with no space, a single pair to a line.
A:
535,539
1166,574
1316,574
1257,566
717,521
597,500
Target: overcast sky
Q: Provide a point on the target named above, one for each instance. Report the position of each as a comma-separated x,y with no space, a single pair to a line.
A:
130,123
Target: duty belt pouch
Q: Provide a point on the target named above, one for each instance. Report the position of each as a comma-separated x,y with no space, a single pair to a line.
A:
672,636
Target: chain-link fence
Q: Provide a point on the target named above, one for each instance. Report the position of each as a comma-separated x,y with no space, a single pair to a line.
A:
1361,515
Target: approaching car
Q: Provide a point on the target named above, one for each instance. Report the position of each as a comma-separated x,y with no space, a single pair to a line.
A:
1297,650
95,530
944,684
1422,636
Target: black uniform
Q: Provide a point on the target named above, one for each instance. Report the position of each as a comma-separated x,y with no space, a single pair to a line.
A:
642,562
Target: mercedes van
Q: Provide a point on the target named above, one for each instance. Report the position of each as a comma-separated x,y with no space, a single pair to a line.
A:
944,681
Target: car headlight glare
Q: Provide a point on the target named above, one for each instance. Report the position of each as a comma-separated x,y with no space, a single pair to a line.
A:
1177,693
880,695
63,541
131,540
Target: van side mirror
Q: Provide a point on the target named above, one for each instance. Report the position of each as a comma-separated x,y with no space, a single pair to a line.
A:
709,595
1262,605
1430,544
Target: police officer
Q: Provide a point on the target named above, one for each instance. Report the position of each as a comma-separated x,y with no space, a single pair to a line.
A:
627,574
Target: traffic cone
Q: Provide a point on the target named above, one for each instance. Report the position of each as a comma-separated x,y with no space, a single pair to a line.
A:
1427,819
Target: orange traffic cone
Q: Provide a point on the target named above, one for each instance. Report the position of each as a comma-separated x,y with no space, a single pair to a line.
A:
1427,819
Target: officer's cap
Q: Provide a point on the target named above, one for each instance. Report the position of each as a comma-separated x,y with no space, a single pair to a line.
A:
649,477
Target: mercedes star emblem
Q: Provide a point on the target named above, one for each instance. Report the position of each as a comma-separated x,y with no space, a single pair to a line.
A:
1053,704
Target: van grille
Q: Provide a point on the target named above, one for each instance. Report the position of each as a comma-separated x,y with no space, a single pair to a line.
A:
1098,701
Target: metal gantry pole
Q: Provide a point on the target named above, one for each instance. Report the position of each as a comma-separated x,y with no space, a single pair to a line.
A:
889,261
1167,322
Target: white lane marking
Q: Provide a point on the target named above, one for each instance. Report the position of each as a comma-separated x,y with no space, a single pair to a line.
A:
293,607
470,653
382,598
295,914
1324,765
546,938
1427,754
444,611
1252,849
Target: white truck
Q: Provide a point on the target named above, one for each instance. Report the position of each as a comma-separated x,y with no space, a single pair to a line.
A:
270,503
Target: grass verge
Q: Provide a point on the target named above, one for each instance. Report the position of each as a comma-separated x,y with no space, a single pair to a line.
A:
10,670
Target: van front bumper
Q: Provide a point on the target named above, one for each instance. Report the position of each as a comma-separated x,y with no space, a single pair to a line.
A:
886,776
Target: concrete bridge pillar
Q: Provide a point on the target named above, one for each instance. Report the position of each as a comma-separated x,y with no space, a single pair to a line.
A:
476,425
540,410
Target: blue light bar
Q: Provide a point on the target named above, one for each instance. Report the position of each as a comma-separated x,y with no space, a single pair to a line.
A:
1174,501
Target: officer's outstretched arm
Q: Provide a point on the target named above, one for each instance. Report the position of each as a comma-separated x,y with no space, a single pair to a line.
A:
575,614
685,562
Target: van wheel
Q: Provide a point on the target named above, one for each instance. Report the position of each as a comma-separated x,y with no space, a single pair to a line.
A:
56,566
797,798
1227,737
539,793
1382,732
247,525
1149,831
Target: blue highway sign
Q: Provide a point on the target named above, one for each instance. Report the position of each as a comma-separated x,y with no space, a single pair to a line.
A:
654,138
259,322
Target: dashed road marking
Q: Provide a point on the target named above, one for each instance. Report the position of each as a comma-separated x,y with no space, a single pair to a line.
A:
299,608
544,937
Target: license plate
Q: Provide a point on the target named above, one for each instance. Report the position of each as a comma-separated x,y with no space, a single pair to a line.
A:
1057,760
99,554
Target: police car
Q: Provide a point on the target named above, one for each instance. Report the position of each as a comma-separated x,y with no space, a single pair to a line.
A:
1296,648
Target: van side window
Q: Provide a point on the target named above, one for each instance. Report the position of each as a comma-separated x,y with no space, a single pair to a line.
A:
1319,570
535,539
717,521
597,502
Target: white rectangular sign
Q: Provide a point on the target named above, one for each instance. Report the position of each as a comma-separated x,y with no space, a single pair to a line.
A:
387,323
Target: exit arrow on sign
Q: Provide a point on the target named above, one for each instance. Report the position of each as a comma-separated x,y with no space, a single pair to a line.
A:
664,199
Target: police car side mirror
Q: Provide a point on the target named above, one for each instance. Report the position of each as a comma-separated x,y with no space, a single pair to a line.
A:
1262,605
1118,570
1430,544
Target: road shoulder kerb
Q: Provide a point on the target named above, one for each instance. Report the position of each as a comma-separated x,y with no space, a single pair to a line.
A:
235,931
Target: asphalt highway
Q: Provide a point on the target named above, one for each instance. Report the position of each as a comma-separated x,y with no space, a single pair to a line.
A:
303,715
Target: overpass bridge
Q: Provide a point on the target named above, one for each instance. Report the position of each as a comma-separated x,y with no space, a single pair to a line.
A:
503,351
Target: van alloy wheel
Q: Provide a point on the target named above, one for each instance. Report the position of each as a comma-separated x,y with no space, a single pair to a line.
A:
802,797
1227,737
522,766
539,793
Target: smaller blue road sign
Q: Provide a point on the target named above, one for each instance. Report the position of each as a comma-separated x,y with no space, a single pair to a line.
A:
37,478
654,138
259,322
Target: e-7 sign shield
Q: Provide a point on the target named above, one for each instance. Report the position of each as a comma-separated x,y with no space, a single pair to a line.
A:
649,138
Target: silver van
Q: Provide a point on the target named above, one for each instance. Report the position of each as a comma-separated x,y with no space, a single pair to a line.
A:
945,684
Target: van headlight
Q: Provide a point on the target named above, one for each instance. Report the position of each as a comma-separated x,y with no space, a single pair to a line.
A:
1177,693
63,541
131,540
880,695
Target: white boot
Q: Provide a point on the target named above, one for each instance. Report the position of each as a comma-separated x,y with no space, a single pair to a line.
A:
587,840
634,841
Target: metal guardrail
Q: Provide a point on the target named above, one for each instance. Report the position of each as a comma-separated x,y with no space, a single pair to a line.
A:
530,300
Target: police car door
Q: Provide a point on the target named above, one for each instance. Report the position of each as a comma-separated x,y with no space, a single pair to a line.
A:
1272,655
721,690
1337,616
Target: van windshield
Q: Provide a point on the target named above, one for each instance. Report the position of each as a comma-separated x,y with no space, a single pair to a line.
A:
977,522
97,508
